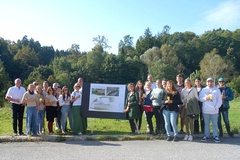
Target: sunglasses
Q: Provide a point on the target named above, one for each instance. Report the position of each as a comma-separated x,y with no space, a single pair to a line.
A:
221,81
77,86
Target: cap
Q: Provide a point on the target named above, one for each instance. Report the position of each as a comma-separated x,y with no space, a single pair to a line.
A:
210,79
221,79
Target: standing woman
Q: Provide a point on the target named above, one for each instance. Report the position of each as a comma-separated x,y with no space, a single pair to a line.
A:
78,121
51,104
41,109
188,93
140,91
158,99
30,98
132,108
170,110
148,102
64,102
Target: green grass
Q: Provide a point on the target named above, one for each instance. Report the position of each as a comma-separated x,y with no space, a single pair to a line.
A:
102,126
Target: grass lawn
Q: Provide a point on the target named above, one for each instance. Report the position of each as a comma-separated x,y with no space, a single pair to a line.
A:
112,126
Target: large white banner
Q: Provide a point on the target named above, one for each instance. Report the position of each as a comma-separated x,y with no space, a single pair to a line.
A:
107,97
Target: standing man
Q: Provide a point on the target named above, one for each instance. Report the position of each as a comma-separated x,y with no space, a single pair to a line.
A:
15,95
80,82
227,95
164,83
199,87
212,101
179,86
150,79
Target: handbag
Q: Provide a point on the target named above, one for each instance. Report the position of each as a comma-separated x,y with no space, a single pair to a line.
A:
148,108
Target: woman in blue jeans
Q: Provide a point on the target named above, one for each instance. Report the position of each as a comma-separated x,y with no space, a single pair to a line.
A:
170,110
31,100
40,110
64,102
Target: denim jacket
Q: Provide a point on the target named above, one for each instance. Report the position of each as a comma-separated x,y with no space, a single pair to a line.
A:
229,96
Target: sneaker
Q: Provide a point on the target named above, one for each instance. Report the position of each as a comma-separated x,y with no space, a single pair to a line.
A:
175,139
231,134
216,139
204,139
80,133
181,131
168,138
220,134
15,134
21,134
190,138
185,138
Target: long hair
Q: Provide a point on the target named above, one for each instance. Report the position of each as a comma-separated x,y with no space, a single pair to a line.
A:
187,80
63,93
137,88
173,87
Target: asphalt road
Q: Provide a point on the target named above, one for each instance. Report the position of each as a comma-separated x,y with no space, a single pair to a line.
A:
228,149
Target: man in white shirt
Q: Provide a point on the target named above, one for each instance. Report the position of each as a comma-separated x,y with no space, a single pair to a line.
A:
212,100
14,95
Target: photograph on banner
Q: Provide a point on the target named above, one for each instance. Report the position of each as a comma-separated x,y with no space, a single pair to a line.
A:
107,97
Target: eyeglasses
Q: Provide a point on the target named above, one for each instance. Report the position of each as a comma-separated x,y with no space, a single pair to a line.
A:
220,81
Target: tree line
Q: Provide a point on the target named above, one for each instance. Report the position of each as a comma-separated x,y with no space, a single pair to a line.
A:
214,54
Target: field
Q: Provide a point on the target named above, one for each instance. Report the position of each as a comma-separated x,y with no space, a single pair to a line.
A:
112,126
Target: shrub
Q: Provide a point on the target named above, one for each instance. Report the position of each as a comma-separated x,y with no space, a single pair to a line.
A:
235,86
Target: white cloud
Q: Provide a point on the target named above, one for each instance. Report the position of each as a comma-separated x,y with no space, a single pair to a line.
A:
225,15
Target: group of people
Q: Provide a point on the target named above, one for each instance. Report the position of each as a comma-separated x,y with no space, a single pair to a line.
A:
168,102
56,102
164,100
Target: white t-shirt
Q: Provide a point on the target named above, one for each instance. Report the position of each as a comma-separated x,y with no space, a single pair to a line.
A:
78,102
62,101
16,93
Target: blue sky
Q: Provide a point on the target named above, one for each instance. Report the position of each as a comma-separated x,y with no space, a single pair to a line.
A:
61,23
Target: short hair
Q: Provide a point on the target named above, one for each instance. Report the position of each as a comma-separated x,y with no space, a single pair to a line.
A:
179,75
131,84
197,78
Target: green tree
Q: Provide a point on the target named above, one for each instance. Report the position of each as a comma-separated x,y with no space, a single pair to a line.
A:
145,42
169,65
125,47
39,74
213,65
4,83
101,41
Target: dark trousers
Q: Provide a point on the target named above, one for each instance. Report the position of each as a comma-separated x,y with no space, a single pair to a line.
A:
196,124
149,121
17,117
59,115
132,125
224,114
140,119
159,119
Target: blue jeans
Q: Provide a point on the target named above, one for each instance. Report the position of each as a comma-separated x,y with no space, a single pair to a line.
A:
31,120
40,118
214,119
170,117
66,112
